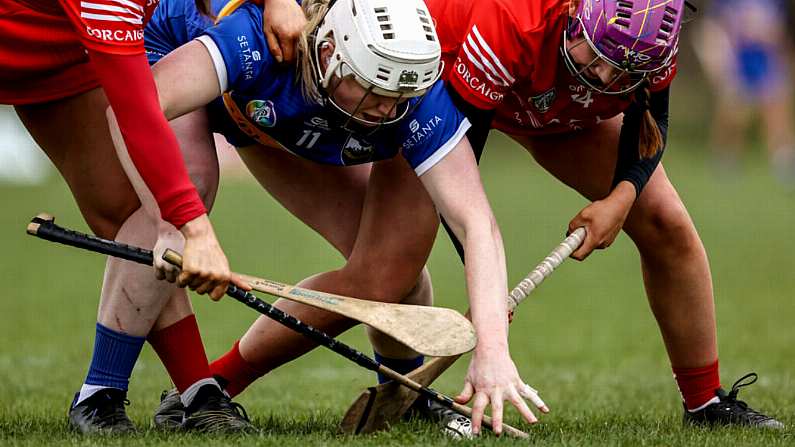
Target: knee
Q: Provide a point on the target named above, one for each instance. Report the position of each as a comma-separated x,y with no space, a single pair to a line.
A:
422,292
107,218
388,281
664,227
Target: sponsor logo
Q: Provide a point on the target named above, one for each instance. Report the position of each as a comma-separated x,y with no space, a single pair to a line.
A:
135,35
419,133
247,57
316,121
356,151
476,83
543,102
261,112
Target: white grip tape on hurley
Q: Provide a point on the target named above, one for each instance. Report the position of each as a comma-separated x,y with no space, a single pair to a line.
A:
545,268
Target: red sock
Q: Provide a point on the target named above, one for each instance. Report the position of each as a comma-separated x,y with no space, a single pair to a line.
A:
235,371
697,385
180,348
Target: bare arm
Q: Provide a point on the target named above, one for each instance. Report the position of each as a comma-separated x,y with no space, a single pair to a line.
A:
186,80
454,185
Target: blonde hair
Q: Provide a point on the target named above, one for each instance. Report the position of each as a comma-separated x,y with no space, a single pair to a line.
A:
307,73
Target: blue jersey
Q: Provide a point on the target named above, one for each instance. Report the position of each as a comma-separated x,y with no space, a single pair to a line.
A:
266,97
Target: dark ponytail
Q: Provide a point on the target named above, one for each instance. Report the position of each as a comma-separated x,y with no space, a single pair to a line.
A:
649,138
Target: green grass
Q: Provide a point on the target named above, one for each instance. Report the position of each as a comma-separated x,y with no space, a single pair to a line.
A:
586,338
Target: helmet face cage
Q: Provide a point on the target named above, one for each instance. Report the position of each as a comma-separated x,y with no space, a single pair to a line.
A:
354,46
625,81
636,37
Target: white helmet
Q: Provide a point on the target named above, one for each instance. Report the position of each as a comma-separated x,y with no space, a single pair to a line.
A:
389,46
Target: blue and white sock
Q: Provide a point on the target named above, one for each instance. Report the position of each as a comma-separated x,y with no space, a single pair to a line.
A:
402,366
114,357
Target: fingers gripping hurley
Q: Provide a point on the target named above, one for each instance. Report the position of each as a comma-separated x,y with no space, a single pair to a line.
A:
380,406
44,227
428,330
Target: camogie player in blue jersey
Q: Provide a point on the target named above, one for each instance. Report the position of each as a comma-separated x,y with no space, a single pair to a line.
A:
362,143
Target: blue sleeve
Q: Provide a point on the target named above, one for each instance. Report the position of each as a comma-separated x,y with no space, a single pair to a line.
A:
241,41
432,129
174,23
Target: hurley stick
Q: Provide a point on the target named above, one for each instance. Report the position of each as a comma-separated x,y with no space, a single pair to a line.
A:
428,330
346,351
380,406
44,227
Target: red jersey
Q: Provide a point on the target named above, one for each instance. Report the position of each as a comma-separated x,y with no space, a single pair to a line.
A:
43,55
50,51
505,56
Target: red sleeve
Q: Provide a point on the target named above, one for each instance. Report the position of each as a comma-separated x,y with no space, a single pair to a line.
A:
488,61
152,145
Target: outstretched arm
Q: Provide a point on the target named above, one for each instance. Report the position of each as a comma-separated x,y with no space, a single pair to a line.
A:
455,187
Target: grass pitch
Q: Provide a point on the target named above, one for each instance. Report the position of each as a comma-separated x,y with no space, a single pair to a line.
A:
586,338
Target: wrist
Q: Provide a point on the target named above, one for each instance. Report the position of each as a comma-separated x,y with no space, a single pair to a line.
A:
200,226
492,343
623,193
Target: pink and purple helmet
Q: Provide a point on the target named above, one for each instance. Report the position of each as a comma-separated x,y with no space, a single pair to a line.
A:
637,37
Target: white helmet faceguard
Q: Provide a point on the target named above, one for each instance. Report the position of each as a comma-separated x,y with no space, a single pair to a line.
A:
389,47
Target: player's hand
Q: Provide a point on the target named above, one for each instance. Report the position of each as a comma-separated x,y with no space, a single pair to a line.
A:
603,219
204,265
491,380
168,237
283,22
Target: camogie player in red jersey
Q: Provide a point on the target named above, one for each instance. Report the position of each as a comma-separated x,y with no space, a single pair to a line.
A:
61,65
583,86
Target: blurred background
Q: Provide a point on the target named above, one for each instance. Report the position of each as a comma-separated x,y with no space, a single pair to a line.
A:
586,338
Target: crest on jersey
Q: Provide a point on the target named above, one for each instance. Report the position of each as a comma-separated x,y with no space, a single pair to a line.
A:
261,112
356,151
543,102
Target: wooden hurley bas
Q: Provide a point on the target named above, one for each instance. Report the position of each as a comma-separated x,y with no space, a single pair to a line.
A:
381,406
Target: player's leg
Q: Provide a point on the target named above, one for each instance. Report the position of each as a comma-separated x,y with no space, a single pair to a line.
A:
674,263
175,335
74,134
334,212
384,210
